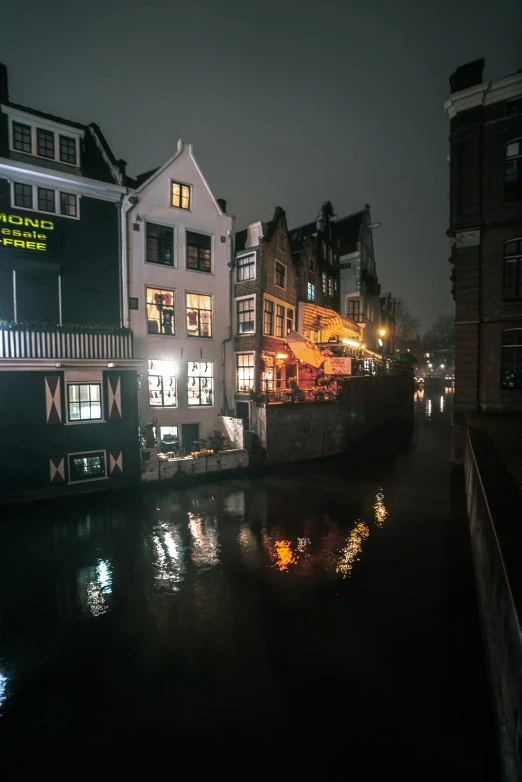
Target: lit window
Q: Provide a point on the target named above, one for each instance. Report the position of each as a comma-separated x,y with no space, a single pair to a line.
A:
280,320
353,310
323,283
68,150
280,274
180,195
198,252
200,382
86,467
311,291
162,384
513,270
289,320
513,171
244,372
268,317
23,195
199,315
512,359
160,311
22,137
246,267
45,143
330,286
170,432
46,200
160,244
68,204
84,401
245,316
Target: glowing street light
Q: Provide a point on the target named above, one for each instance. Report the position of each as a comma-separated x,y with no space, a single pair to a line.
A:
382,334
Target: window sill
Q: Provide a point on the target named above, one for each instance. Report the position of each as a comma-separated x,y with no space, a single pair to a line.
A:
196,336
199,271
88,421
157,334
163,407
158,263
42,212
88,480
42,157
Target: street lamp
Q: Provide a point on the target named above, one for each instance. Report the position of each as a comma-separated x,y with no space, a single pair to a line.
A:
382,334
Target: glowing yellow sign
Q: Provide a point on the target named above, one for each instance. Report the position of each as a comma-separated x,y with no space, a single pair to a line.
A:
19,237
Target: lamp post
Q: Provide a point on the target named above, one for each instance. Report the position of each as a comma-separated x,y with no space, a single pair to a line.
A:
382,334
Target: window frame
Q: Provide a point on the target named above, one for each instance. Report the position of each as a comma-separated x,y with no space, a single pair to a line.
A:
310,289
181,185
145,246
517,347
34,200
518,258
311,264
517,159
330,286
25,127
160,289
75,421
252,367
152,373
289,308
253,264
277,271
211,241
48,136
58,132
199,310
87,454
355,318
245,298
200,378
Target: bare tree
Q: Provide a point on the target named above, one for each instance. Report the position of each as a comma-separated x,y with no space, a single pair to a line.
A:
406,326
441,336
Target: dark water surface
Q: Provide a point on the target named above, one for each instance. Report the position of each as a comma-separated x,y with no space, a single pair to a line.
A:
327,608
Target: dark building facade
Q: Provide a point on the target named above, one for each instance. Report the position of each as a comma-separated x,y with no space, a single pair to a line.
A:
68,381
486,238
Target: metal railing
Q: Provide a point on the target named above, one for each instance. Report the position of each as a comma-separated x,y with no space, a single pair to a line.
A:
62,342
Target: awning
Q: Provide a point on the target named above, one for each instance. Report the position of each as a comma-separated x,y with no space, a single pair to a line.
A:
329,323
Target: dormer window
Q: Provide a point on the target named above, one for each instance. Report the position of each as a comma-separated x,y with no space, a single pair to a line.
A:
45,143
32,139
22,137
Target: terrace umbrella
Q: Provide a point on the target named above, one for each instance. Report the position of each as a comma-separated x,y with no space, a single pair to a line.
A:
304,349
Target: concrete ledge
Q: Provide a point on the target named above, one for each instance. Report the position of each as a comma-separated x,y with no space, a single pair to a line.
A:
182,470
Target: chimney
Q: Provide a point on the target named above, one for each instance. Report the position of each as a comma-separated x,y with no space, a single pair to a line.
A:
4,92
222,204
467,75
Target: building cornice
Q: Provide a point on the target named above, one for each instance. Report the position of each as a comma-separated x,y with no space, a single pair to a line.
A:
34,175
484,94
47,364
35,119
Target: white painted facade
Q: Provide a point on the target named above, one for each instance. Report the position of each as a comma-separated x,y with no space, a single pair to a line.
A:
199,339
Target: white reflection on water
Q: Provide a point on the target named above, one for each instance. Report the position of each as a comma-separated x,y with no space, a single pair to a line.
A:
247,541
350,553
235,503
428,408
94,587
442,404
169,564
3,688
205,544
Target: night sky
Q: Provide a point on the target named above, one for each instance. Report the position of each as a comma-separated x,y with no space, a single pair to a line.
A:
286,103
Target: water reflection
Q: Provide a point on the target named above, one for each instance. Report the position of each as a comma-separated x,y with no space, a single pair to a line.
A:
205,544
3,688
428,408
168,563
281,553
350,553
94,587
380,508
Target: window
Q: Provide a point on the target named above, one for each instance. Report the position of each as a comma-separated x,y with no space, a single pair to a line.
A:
168,431
323,283
68,204
311,265
513,171
244,372
162,384
336,285
68,150
353,310
513,270
23,195
280,274
198,252
159,244
280,320
84,401
160,311
246,269
330,256
245,316
45,143
200,381
87,466
311,292
180,195
512,359
330,286
268,317
199,315
513,107
289,320
46,200
22,137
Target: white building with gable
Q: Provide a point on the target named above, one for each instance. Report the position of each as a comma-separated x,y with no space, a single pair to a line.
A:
177,245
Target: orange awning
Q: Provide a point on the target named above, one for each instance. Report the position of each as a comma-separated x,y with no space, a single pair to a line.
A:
329,323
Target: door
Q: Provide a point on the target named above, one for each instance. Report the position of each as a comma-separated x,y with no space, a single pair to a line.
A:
189,433
243,412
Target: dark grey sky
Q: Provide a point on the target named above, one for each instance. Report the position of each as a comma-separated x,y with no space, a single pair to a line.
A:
286,103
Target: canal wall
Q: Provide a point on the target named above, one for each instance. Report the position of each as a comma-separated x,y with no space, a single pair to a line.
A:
494,517
183,470
312,430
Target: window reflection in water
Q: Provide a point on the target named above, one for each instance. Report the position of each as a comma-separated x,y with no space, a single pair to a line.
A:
442,404
205,544
281,553
94,587
418,395
168,565
428,408
248,541
350,553
302,544
380,508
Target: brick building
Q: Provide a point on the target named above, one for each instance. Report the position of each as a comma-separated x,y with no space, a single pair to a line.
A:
486,238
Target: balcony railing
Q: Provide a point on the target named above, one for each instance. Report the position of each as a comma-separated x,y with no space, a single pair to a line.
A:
63,342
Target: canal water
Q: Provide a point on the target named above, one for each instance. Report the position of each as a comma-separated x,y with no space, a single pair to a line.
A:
324,608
